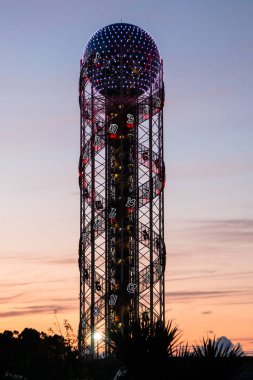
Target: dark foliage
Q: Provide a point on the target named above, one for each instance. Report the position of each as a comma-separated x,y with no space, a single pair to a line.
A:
36,356
147,351
216,348
144,348
218,359
152,351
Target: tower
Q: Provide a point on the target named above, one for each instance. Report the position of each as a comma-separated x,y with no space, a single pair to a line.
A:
121,177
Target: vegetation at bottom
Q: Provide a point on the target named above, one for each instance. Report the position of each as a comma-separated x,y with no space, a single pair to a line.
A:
36,355
142,351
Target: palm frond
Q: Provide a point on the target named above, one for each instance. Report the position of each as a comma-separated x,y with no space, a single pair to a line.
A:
216,348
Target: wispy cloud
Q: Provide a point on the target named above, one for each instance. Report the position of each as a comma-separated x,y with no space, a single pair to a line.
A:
43,260
210,274
57,300
243,338
30,310
14,284
240,230
214,168
198,294
61,261
11,298
212,297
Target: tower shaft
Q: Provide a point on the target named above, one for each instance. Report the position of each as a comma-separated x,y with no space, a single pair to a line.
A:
121,177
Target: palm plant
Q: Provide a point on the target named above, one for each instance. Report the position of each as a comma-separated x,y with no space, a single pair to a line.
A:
182,351
143,347
217,359
216,348
163,340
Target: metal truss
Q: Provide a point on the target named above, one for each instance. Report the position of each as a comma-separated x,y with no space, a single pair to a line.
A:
121,176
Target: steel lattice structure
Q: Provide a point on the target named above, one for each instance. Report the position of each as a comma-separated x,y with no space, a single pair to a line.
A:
122,176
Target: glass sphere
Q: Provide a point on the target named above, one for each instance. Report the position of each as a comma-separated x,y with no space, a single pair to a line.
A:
121,58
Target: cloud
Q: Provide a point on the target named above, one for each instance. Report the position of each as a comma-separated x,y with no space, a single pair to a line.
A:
208,169
13,284
7,285
231,223
213,297
60,300
247,301
243,339
10,298
198,294
43,260
61,261
206,312
209,274
226,230
30,310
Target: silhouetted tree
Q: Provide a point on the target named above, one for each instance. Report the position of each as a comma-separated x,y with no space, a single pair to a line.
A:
148,351
36,356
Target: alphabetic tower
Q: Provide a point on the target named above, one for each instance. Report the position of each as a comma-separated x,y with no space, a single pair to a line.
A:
122,177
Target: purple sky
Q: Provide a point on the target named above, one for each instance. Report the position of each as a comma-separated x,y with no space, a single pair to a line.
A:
207,47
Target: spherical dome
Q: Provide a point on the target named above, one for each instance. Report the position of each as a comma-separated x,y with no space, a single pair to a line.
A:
121,56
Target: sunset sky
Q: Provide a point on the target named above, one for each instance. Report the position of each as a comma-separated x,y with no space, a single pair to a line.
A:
207,47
